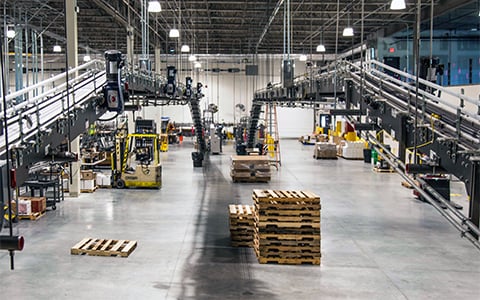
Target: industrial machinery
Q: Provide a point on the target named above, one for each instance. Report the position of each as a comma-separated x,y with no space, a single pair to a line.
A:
379,97
114,91
136,160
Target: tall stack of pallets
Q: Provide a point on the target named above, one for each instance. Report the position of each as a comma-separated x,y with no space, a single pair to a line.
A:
287,227
241,225
250,168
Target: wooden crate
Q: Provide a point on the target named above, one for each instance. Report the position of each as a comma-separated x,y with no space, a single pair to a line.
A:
104,247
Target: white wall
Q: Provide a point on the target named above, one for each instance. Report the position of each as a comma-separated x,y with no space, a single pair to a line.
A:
294,122
472,91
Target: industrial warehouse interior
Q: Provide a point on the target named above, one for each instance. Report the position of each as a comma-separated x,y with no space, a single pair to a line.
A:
283,149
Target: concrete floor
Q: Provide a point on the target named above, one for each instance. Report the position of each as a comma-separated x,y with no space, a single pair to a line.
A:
378,242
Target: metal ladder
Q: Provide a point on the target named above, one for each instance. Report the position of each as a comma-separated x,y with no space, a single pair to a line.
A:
272,139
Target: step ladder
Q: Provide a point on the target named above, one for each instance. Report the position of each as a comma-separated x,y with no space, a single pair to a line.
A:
272,139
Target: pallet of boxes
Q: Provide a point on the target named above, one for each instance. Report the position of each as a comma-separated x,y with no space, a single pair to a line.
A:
88,181
241,225
287,227
30,208
250,168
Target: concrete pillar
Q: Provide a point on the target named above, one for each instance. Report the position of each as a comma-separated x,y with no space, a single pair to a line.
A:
158,61
130,45
74,188
72,53
72,35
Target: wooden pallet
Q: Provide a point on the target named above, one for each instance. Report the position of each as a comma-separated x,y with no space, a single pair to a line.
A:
289,261
276,211
104,247
288,225
33,217
285,196
89,190
288,237
250,179
299,206
281,219
379,170
241,211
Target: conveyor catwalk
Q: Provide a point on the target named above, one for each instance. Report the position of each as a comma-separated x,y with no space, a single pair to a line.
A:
446,133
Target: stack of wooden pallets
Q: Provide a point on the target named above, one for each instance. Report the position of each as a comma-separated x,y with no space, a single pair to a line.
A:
241,225
287,227
250,168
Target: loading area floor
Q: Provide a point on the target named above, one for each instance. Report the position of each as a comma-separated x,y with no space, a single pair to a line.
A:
378,241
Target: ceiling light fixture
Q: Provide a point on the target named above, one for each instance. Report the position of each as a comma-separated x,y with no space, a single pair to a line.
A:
57,48
397,5
11,33
87,58
197,65
348,31
321,46
303,57
154,7
174,33
185,48
192,58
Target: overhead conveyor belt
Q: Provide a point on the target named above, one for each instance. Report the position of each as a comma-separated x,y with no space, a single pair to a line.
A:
46,115
445,132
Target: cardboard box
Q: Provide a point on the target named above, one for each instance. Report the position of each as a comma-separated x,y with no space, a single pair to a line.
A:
39,204
87,175
87,184
24,208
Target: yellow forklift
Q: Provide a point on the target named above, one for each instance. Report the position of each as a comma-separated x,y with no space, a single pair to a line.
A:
136,161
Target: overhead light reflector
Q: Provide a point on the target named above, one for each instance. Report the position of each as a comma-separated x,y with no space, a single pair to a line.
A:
321,48
174,33
348,31
57,48
192,58
87,58
185,48
11,33
154,7
303,57
397,5
197,65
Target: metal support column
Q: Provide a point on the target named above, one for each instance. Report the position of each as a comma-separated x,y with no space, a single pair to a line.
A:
72,61
130,45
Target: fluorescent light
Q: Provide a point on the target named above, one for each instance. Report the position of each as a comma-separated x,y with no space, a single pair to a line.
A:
303,57
397,4
192,58
10,33
57,48
185,48
321,48
87,58
174,33
197,65
348,31
154,7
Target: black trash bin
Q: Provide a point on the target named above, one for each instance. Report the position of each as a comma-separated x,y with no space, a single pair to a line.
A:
197,158
367,155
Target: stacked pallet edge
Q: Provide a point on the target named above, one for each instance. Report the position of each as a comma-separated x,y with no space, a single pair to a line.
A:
241,225
250,168
287,227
